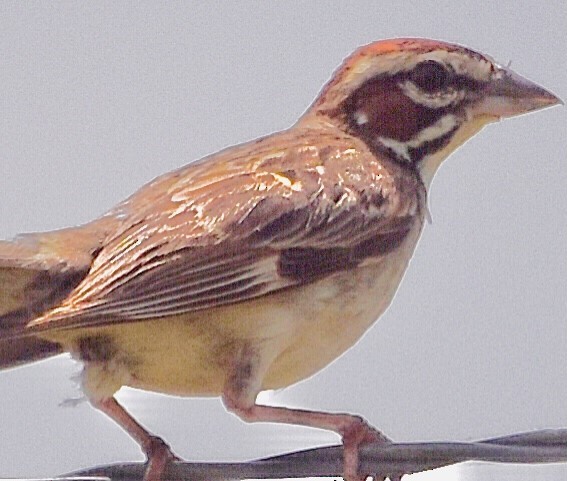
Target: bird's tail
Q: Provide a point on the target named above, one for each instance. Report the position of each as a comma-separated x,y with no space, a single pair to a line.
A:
37,271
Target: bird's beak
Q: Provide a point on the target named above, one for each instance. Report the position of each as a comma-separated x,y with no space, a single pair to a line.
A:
509,94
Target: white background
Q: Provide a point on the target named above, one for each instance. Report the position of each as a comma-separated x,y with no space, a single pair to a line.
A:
97,98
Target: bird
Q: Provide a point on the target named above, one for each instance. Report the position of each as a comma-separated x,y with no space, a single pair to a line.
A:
255,267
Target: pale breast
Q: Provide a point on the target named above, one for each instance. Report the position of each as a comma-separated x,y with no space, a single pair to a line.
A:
297,332
334,313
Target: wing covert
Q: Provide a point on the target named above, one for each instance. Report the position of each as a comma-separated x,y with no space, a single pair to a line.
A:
235,227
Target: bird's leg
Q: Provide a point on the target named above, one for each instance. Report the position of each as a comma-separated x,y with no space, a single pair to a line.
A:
240,394
156,450
354,430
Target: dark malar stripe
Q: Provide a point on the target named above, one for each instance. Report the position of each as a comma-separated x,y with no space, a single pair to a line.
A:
431,146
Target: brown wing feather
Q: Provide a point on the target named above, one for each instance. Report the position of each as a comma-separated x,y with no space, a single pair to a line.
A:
241,224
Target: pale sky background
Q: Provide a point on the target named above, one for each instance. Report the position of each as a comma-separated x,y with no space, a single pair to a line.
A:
97,98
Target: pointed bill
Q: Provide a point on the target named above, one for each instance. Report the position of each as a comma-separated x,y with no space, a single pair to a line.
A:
510,94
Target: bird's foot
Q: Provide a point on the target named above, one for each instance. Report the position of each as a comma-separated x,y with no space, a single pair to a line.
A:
355,434
159,455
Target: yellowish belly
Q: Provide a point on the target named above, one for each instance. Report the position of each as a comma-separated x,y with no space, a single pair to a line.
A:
298,330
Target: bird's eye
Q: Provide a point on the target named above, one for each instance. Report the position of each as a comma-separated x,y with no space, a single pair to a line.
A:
430,76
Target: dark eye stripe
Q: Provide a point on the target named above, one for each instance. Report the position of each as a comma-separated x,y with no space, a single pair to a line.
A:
382,109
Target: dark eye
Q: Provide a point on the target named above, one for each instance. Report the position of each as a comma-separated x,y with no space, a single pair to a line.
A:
430,76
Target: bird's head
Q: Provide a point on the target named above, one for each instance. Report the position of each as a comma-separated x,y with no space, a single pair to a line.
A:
417,100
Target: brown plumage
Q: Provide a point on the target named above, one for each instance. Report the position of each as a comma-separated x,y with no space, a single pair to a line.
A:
244,223
257,266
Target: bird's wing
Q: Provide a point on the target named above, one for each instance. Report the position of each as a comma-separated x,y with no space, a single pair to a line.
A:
242,224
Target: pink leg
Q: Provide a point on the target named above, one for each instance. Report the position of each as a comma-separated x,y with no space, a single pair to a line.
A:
155,449
354,430
244,384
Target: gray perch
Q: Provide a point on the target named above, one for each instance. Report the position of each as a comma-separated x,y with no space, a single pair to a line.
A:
385,461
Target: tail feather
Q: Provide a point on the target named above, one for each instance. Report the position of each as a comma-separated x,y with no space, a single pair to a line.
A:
38,271
23,350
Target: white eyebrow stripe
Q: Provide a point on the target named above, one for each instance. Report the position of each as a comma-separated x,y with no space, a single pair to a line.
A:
477,67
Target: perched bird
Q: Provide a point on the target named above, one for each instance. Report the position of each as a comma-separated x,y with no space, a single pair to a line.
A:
255,267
